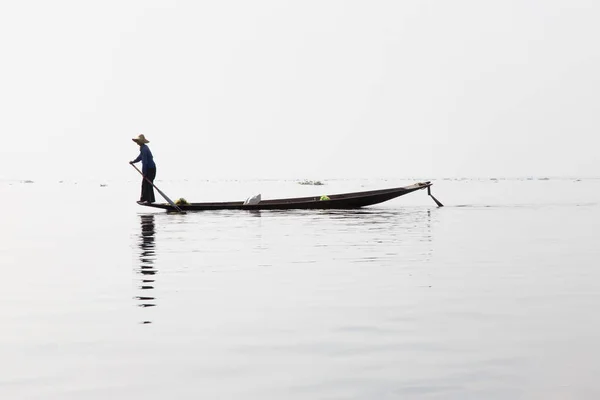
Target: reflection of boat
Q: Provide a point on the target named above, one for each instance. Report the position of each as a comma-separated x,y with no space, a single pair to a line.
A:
334,201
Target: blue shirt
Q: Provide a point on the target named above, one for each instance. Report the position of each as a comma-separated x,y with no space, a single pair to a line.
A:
146,158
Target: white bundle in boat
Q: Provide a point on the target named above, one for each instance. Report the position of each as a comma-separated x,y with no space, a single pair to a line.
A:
253,200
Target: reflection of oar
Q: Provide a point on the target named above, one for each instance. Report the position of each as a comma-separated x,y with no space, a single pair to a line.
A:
159,191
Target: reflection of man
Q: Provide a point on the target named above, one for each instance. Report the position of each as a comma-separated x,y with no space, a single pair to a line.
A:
147,241
147,255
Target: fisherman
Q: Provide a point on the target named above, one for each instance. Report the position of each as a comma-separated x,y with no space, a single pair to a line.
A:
148,170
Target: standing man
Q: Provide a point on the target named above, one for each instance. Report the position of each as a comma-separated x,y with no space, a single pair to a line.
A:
148,170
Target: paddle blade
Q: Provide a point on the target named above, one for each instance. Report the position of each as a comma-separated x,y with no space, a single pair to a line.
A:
436,201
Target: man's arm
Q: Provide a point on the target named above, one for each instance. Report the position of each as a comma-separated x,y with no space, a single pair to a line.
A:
138,159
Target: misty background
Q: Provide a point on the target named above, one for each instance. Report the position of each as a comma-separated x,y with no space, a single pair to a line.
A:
299,89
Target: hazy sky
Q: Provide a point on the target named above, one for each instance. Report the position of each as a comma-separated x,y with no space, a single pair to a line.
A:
300,89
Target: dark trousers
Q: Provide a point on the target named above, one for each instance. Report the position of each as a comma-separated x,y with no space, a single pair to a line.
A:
147,188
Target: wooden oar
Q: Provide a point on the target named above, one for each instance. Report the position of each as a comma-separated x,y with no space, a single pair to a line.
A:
159,191
434,199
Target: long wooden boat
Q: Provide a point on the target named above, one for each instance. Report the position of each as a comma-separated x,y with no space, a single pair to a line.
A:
336,201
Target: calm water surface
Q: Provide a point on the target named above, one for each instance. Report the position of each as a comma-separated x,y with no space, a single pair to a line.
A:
494,296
